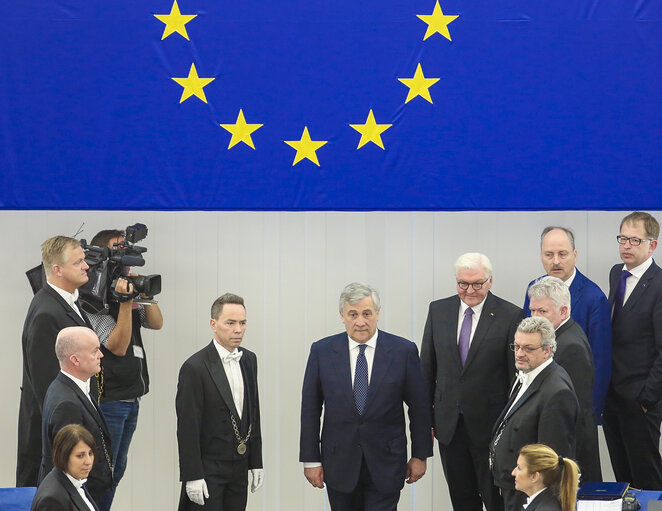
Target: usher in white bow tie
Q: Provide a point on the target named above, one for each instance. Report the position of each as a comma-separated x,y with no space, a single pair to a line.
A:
235,355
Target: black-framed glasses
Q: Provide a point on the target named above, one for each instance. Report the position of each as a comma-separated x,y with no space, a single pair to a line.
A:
475,285
635,242
525,349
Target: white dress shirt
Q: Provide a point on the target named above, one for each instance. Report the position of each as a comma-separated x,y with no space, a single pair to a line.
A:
571,278
233,373
371,344
68,297
474,319
78,484
84,386
527,380
530,499
637,272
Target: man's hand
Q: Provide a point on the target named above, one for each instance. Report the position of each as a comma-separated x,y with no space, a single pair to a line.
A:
315,476
257,479
197,491
415,470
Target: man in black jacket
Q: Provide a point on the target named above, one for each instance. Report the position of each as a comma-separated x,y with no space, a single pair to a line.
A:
53,308
549,297
68,401
218,416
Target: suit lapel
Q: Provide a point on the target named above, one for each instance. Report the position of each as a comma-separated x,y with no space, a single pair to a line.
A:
73,492
249,379
639,289
450,336
485,322
69,311
218,376
533,388
575,289
380,364
614,278
341,362
87,404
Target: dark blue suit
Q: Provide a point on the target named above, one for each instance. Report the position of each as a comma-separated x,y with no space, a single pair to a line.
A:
590,309
632,435
378,437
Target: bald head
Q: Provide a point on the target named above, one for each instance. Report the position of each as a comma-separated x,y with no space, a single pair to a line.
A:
77,350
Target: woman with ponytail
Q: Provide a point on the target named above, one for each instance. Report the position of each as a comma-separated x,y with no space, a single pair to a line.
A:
549,480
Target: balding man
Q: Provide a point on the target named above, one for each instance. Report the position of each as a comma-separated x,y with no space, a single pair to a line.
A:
549,298
53,308
590,307
468,366
68,402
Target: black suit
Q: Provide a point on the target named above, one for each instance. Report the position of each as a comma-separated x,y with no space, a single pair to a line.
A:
47,315
545,501
57,493
573,353
633,435
468,399
66,404
546,413
205,436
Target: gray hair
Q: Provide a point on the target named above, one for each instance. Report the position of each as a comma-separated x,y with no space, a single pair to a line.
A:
542,326
569,233
357,291
474,261
551,287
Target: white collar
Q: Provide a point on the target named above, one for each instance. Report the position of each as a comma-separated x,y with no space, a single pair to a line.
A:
527,378
372,342
82,385
222,351
571,278
78,483
638,271
530,499
476,308
70,298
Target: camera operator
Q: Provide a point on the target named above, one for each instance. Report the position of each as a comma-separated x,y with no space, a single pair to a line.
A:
124,378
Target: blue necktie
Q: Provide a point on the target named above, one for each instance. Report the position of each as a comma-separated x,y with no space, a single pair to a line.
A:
465,334
361,380
620,293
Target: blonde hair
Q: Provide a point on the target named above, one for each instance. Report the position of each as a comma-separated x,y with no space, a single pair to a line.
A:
561,474
53,249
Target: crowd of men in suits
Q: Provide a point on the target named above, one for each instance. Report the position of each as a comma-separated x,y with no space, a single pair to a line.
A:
488,381
491,380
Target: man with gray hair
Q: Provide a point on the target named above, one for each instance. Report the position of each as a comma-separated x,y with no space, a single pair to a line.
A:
361,378
550,298
542,408
68,401
590,307
469,368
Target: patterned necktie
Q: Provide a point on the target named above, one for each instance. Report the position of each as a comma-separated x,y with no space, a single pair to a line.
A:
620,293
465,334
361,380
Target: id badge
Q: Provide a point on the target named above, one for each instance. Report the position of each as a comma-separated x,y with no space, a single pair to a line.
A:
138,352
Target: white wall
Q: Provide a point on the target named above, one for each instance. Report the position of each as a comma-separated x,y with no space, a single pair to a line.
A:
290,268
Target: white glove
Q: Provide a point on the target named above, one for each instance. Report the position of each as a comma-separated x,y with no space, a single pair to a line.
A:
257,479
197,491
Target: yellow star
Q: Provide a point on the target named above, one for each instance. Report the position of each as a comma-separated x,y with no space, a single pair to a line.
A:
418,85
241,131
193,85
371,131
437,22
175,22
306,147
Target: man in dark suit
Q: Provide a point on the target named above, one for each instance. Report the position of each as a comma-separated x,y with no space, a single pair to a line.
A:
633,411
361,378
589,306
68,401
218,416
468,365
53,308
549,298
542,408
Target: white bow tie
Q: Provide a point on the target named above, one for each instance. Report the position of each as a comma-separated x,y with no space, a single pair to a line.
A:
522,377
235,355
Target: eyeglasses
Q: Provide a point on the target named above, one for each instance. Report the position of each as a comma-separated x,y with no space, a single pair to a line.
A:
475,285
525,349
635,242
